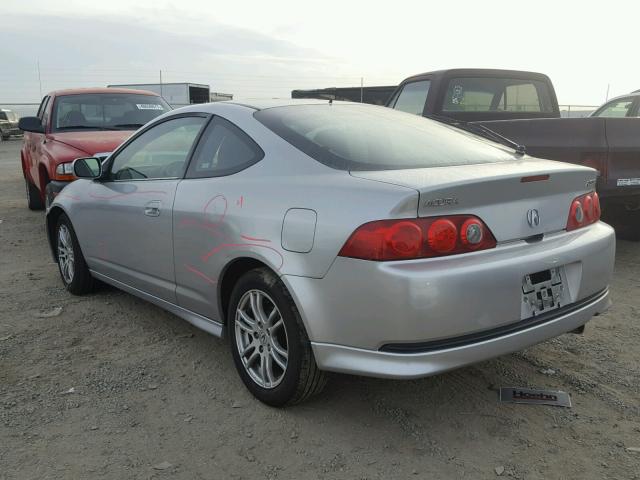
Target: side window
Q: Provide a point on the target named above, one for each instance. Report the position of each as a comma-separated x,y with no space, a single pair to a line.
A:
223,150
160,152
616,109
413,97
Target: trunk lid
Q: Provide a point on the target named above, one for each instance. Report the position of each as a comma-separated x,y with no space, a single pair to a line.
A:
498,193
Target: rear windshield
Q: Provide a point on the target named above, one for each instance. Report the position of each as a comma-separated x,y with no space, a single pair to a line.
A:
366,137
106,111
483,94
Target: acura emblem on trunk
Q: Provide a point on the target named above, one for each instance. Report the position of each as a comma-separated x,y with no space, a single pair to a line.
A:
533,218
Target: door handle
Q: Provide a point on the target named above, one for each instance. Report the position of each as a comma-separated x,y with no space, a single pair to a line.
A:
152,209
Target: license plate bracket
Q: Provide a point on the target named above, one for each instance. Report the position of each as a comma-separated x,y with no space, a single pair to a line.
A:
542,291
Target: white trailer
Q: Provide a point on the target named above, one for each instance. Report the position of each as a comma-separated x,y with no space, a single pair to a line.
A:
176,94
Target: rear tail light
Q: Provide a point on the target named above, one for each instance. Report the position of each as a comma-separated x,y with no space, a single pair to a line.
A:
406,239
584,211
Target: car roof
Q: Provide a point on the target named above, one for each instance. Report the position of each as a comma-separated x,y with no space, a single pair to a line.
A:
261,104
279,102
81,91
620,97
485,72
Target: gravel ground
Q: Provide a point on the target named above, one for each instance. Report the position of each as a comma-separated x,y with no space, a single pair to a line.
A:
113,387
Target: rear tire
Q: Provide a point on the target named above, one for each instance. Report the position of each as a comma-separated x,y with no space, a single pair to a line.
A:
74,271
265,328
34,200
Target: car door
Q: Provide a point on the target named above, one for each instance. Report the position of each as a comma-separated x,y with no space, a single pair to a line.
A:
34,142
209,215
126,221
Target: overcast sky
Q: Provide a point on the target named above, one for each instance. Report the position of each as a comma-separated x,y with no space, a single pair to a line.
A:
267,48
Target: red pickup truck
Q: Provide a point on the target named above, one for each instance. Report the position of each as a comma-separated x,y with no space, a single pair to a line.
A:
78,123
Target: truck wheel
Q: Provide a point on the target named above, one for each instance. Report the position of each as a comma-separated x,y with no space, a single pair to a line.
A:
74,271
269,344
34,200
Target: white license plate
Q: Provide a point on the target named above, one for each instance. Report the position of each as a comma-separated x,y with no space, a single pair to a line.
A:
542,291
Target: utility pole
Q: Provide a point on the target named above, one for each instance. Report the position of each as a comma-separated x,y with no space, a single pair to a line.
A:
361,89
161,84
606,99
39,78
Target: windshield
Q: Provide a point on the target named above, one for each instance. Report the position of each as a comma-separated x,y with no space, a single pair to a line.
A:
365,137
106,111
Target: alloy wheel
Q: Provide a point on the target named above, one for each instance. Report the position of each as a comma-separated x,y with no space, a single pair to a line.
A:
65,254
261,339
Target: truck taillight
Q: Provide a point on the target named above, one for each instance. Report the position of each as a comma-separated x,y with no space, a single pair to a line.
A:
584,211
406,239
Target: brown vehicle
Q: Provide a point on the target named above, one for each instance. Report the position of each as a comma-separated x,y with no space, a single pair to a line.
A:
522,107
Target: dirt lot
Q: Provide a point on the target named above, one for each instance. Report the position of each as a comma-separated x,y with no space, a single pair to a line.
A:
155,398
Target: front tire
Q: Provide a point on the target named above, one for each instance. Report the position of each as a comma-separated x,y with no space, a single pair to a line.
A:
73,268
34,200
269,344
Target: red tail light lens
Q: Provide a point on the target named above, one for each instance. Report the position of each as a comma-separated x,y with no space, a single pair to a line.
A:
584,211
386,240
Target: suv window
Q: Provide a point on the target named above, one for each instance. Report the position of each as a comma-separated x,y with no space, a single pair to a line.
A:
3,116
618,108
223,150
160,152
412,97
484,94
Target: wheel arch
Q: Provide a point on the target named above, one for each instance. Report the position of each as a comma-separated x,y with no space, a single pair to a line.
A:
43,178
230,276
51,220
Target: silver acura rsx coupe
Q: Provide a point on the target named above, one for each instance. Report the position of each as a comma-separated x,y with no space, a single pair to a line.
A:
340,237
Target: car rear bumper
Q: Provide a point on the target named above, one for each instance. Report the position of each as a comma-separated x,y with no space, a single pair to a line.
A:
385,364
370,310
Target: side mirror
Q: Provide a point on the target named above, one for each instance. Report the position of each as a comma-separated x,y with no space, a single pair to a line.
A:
30,124
89,167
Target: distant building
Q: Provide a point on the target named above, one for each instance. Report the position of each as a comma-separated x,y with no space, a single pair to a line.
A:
373,95
220,97
176,94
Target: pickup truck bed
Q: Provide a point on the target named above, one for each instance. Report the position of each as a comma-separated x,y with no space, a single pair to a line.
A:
523,107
